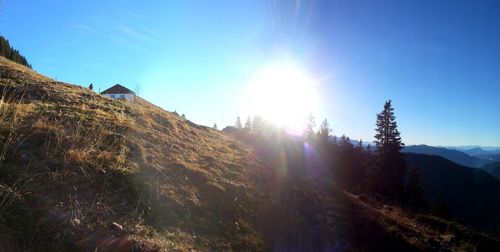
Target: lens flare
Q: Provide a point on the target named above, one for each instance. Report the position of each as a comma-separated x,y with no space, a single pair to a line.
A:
283,94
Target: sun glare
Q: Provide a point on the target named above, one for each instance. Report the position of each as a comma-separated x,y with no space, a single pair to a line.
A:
283,94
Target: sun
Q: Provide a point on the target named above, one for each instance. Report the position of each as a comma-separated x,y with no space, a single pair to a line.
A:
284,94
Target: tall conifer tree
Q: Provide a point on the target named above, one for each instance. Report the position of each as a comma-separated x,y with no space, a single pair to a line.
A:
390,164
238,124
248,123
324,132
309,130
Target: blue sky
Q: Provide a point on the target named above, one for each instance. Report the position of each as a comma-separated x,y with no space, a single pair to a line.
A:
438,61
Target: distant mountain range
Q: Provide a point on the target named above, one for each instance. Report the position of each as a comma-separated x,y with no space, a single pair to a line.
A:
456,156
487,162
486,153
490,157
471,194
475,149
478,151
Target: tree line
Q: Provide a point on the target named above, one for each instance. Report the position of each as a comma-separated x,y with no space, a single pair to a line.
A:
7,51
379,171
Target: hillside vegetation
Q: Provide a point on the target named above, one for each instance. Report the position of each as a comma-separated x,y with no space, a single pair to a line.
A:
74,162
7,51
82,172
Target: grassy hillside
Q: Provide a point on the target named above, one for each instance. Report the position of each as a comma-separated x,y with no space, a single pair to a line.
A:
76,161
79,171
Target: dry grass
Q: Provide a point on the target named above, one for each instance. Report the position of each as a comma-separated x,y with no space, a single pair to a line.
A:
427,232
72,162
87,161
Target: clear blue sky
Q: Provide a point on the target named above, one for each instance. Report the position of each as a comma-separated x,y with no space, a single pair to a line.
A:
439,61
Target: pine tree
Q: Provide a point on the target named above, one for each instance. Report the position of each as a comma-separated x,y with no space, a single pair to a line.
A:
238,124
258,123
248,123
414,193
360,144
215,126
390,162
309,130
324,132
345,142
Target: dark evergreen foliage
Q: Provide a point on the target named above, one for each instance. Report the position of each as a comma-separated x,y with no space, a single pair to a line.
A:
349,164
415,194
440,208
10,53
309,130
324,132
386,178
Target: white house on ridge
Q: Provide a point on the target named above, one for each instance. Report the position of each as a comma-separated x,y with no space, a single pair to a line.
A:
119,92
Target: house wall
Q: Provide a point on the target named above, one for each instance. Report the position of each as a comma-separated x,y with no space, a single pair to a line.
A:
128,97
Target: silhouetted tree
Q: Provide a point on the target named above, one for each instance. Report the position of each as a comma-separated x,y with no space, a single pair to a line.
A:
248,123
345,142
414,193
349,163
360,144
258,123
215,126
390,165
324,132
183,117
309,130
238,124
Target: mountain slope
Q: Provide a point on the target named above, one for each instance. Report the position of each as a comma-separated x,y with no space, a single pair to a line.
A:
83,172
466,190
82,161
493,169
453,155
490,157
476,150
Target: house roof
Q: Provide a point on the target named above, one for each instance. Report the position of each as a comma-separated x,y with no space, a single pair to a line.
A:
117,89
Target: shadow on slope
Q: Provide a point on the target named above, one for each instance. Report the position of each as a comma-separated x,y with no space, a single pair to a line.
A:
303,209
471,194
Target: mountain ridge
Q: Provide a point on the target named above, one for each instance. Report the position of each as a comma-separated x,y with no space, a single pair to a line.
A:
458,157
